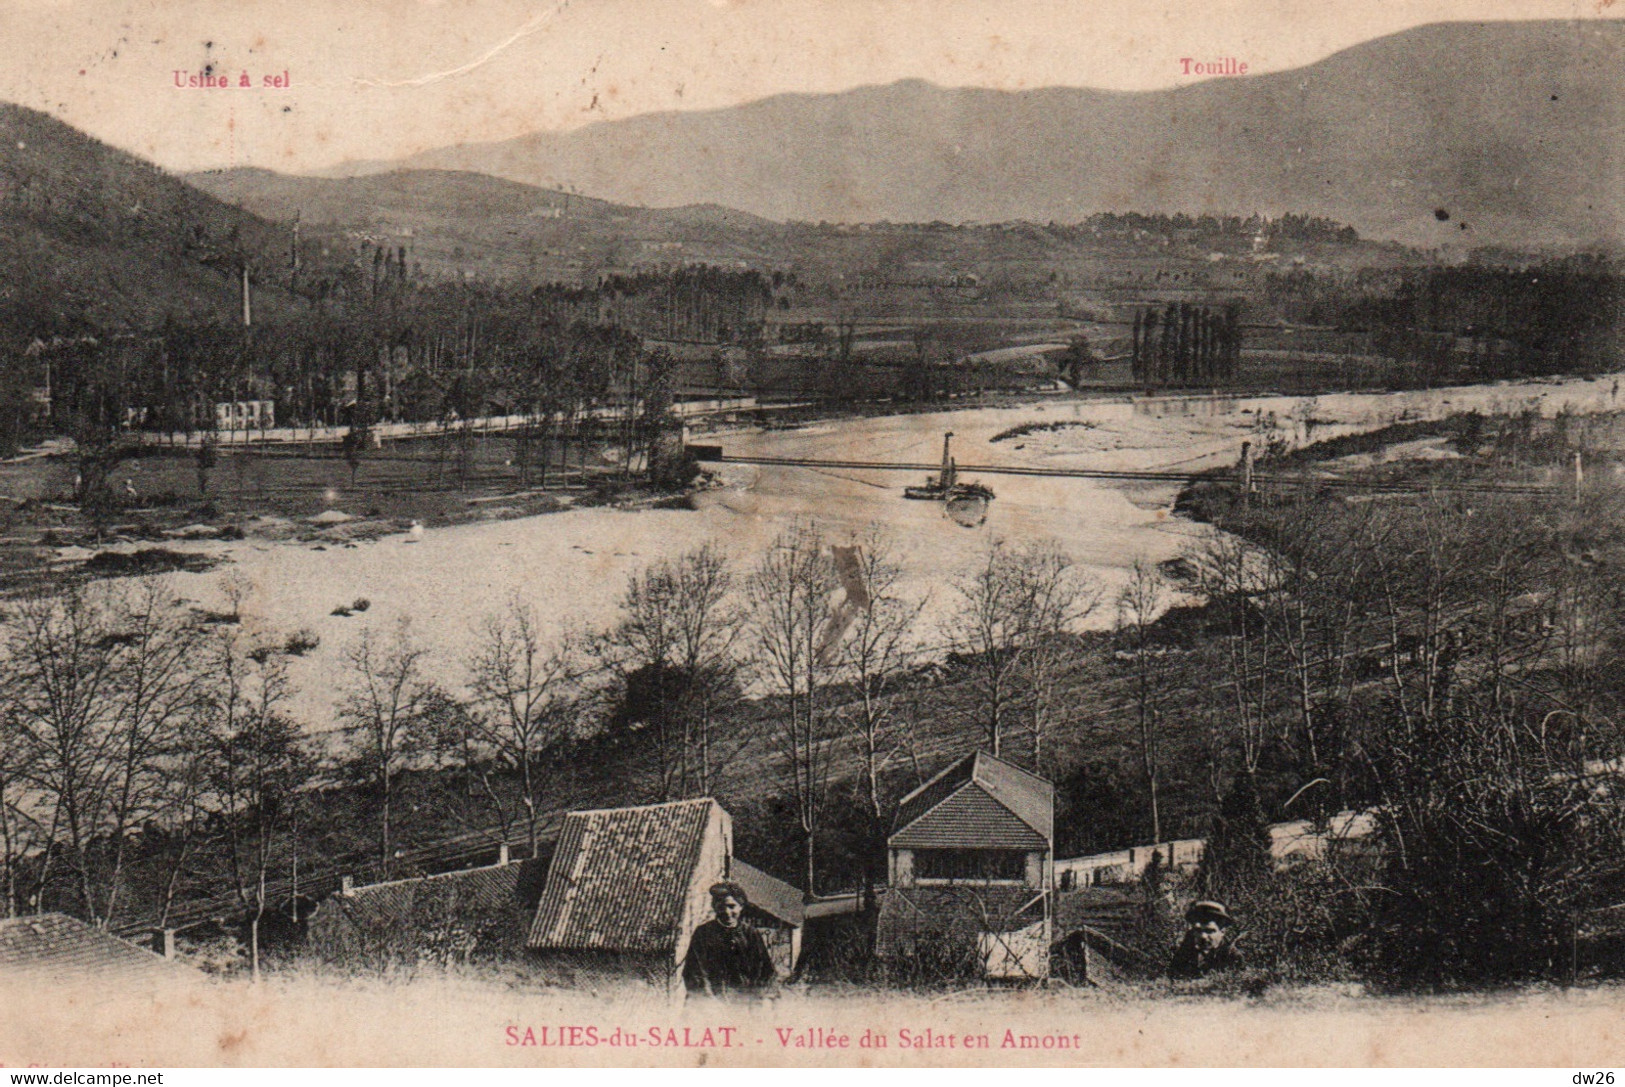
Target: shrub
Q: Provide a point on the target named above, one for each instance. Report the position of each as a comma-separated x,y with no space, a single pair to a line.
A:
301,642
1492,852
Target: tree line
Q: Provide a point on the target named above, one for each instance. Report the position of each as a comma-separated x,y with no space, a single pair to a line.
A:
150,756
1451,665
1469,322
1185,344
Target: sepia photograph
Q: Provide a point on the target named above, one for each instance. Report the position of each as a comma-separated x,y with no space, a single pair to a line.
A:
886,534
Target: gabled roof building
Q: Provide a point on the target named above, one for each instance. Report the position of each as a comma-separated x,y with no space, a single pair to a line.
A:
971,864
472,915
627,887
981,819
778,910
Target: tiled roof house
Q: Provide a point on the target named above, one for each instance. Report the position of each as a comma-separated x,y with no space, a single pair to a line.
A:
626,889
63,949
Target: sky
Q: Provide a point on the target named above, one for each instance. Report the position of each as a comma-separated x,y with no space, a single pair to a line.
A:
381,79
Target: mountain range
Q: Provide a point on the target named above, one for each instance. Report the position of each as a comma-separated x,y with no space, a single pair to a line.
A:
1457,134
1465,135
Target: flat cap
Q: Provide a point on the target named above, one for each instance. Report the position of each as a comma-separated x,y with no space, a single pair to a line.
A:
1208,910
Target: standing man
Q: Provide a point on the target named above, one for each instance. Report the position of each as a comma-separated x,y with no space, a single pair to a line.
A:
1206,948
727,956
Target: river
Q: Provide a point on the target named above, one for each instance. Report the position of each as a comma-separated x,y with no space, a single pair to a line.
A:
572,567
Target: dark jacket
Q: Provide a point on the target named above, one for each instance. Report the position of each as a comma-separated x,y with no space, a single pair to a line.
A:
722,960
1191,961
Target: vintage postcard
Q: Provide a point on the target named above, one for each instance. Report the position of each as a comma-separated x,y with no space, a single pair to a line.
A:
805,532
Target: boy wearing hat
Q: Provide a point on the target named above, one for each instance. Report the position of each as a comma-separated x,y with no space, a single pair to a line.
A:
1206,947
726,955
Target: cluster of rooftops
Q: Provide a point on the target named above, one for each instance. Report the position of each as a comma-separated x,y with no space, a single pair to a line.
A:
971,877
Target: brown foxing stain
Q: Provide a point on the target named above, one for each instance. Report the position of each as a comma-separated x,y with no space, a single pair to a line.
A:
231,1041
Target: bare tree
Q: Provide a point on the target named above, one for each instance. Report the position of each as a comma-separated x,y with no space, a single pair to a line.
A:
642,646
675,644
873,657
258,765
103,700
383,704
1227,569
1014,612
1138,605
524,688
16,820
1056,599
708,621
986,629
789,595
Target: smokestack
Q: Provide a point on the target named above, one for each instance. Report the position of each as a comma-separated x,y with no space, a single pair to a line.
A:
248,301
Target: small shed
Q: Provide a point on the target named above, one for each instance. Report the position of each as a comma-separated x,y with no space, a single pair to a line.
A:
777,910
982,820
625,891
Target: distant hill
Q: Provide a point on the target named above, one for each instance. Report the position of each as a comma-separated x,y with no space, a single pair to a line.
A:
1515,131
433,196
427,196
457,221
92,238
454,226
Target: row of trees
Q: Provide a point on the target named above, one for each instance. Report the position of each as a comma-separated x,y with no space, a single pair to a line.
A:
398,351
1186,344
128,731
1291,227
697,303
446,364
